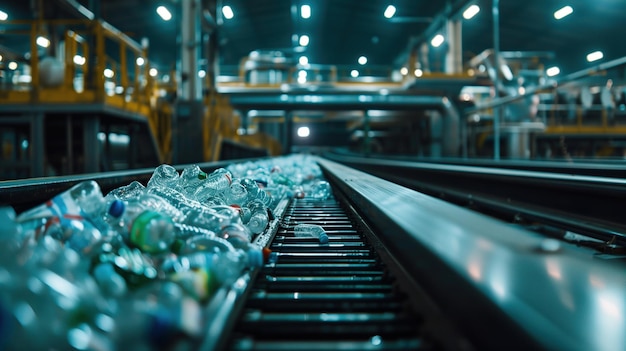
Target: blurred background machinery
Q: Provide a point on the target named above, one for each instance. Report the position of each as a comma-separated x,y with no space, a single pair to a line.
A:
88,86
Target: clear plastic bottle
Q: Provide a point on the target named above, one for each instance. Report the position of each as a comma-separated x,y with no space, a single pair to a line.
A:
216,183
311,230
165,176
127,192
239,236
190,179
82,205
258,217
320,190
236,194
152,232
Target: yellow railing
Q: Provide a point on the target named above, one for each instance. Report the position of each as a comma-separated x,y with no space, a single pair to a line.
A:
97,64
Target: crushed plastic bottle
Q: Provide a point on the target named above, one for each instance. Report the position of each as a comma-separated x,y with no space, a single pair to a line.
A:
312,231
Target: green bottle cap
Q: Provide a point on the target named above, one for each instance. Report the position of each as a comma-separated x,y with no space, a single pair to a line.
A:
152,232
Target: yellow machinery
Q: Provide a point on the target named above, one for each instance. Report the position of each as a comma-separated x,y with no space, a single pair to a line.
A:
94,106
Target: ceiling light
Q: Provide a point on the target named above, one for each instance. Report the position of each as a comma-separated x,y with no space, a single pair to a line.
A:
43,42
303,60
302,73
201,73
563,12
3,16
153,72
595,56
437,40
109,73
471,12
404,71
553,71
301,79
304,132
140,61
79,60
354,73
228,12
165,14
362,60
12,65
304,40
0,57
390,11
305,11
418,73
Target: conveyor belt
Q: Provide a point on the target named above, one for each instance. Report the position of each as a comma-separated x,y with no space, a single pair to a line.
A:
326,296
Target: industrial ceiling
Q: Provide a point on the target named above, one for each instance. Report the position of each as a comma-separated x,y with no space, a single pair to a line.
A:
341,31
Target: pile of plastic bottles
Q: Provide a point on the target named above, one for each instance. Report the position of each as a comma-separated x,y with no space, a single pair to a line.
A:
134,269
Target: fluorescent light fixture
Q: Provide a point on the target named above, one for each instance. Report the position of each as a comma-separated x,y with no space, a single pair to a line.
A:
354,73
563,12
471,11
553,71
140,61
303,60
305,11
304,132
390,11
153,72
109,73
595,56
201,73
437,40
227,11
418,73
165,14
404,71
79,60
12,65
43,42
362,60
3,16
304,40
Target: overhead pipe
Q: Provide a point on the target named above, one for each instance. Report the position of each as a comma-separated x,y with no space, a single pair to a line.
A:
437,23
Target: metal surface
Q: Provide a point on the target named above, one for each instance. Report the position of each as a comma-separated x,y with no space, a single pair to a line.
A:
509,288
585,204
334,296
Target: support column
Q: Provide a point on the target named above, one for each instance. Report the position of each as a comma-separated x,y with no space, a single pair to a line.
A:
287,132
496,83
190,88
454,55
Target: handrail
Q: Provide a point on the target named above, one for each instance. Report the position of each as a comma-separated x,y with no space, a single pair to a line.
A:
550,86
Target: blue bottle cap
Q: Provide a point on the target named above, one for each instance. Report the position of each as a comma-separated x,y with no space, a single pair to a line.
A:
117,208
323,238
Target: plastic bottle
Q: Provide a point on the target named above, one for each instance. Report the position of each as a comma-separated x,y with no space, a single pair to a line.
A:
190,179
258,217
320,190
236,194
10,232
127,192
239,237
152,232
80,206
165,176
311,230
216,183
206,218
